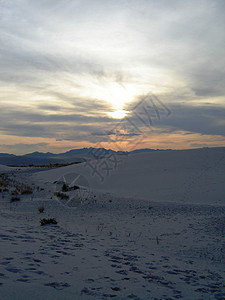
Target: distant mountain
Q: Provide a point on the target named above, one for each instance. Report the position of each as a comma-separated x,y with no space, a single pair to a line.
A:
74,155
75,152
40,154
6,155
101,151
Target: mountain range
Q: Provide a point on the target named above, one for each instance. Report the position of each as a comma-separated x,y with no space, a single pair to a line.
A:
74,155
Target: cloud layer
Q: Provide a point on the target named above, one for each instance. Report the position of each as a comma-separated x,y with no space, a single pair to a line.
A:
65,65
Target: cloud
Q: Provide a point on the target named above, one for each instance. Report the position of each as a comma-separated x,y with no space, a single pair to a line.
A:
80,104
200,119
61,62
24,148
42,41
77,122
147,114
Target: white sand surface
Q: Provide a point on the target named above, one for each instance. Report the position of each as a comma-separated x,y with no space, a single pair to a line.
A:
153,229
4,168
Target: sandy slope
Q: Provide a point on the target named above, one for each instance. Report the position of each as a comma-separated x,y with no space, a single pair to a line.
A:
115,247
189,176
5,168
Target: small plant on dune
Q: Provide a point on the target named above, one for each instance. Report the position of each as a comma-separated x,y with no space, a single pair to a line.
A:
15,199
41,209
3,184
23,189
65,188
75,187
4,180
61,195
48,221
14,193
26,190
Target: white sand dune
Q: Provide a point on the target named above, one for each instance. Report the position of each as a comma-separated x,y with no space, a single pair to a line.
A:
168,245
5,168
188,176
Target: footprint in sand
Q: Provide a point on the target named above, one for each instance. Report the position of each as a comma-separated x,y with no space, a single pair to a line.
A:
58,285
13,270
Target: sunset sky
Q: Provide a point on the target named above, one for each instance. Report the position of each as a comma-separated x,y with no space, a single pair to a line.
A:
115,73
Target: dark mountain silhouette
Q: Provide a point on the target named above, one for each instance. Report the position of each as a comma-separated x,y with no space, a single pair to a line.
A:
74,155
40,154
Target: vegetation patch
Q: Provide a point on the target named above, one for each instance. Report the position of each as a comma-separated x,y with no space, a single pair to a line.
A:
48,221
61,195
66,188
23,189
4,180
14,193
41,209
15,199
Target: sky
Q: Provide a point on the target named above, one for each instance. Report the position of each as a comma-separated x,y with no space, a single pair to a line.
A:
119,74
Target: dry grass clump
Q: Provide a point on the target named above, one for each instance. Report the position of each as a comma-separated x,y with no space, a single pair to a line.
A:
61,195
15,199
41,209
48,221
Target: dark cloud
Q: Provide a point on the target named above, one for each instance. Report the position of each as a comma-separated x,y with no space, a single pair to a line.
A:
200,119
149,113
204,119
17,116
71,126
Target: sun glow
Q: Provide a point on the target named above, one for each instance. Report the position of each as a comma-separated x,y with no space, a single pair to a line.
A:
118,114
117,95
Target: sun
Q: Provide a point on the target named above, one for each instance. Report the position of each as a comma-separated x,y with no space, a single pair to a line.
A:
114,93
118,114
117,95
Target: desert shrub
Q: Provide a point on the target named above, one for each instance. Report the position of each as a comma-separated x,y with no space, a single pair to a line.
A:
26,190
14,199
41,209
61,195
15,192
65,188
75,187
4,180
48,221
23,189
4,183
